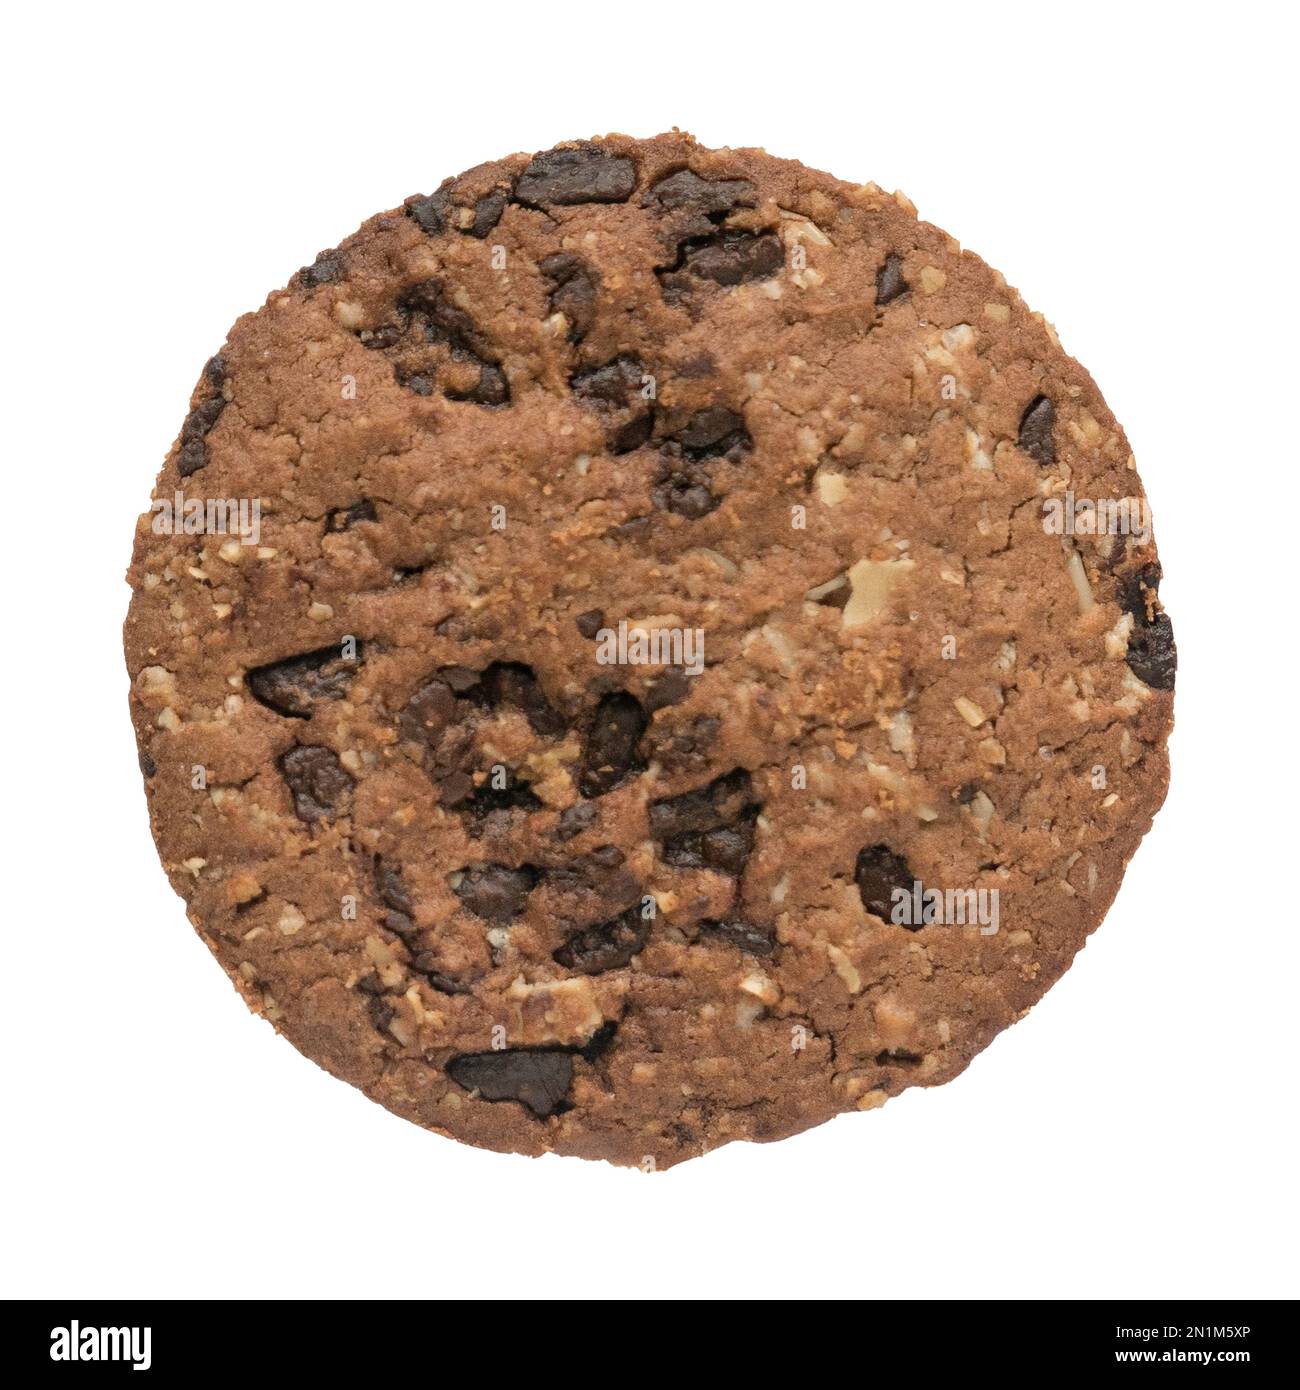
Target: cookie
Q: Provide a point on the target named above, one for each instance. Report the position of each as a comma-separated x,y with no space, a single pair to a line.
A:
646,646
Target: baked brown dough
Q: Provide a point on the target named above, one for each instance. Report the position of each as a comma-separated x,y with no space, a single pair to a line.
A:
635,398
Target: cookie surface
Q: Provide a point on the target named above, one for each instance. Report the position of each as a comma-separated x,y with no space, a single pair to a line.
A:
692,667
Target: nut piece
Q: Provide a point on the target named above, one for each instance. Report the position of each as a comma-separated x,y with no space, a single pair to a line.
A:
1117,637
969,711
243,887
832,488
760,986
872,582
291,920
1079,578
558,1011
845,969
895,1022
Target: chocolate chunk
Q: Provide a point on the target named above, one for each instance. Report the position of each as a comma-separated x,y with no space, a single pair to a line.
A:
487,213
1152,656
427,713
487,799
194,432
686,491
201,419
712,827
669,689
495,892
426,962
387,335
344,518
727,258
574,286
400,925
191,458
898,1057
453,781
838,597
490,389
1036,426
713,198
600,1041
609,946
574,820
381,1013
318,781
147,764
633,434
419,382
461,679
436,318
428,213
440,319
612,740
324,270
754,941
293,687
437,212
392,889
613,384
590,886
723,801
878,872
614,388
562,177
538,1077
1137,592
697,367
589,623
439,718
890,284
726,848
635,528
717,432
514,684
684,479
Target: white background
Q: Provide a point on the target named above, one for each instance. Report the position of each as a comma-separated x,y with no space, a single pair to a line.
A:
1131,169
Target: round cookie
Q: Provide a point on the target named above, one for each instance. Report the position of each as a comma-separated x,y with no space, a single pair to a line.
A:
691,665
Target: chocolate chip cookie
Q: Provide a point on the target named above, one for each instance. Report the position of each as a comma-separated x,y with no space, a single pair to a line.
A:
646,646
